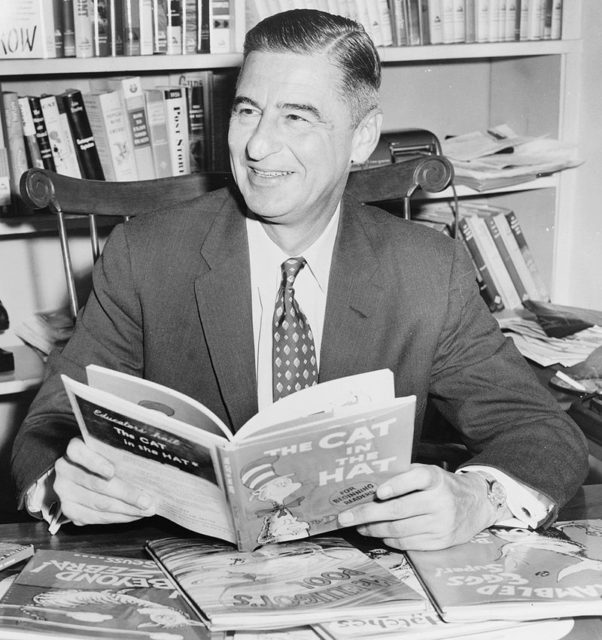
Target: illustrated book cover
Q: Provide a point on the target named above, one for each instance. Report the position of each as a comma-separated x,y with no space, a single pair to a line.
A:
67,594
286,474
12,552
517,574
280,585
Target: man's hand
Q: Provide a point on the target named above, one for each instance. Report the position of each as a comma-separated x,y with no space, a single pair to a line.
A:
90,493
425,508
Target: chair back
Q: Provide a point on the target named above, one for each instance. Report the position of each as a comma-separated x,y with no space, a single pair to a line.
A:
66,196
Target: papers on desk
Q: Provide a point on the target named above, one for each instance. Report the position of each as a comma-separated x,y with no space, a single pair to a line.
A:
500,158
534,344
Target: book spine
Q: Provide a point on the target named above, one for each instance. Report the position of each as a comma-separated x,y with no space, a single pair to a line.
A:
13,136
64,160
371,21
41,133
385,23
510,21
34,158
131,28
116,26
204,19
27,29
57,10
177,129
398,23
157,123
196,126
101,28
414,12
174,27
83,138
459,21
82,25
492,225
190,25
68,29
525,250
446,20
469,22
5,197
135,109
494,20
71,159
487,286
535,19
556,28
220,26
494,261
146,27
160,26
482,20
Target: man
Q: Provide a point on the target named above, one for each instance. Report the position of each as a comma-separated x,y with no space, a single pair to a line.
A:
187,300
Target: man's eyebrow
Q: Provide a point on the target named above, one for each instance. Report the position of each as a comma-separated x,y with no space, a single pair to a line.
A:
295,106
244,100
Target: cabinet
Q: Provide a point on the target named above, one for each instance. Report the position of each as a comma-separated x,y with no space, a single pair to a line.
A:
449,89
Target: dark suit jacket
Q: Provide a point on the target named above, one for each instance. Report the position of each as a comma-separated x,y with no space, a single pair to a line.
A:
172,302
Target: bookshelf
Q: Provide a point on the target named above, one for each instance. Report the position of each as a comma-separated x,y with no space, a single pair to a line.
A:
449,89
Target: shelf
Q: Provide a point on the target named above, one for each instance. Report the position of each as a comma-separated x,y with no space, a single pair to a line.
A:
158,63
462,191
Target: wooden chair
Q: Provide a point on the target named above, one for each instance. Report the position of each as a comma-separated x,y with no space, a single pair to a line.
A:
62,195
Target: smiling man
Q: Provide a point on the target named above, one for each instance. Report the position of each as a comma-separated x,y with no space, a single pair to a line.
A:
200,300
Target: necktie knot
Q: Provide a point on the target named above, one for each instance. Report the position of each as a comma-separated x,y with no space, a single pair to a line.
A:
290,269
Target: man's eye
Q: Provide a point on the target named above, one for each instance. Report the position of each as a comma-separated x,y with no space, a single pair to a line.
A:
297,119
245,111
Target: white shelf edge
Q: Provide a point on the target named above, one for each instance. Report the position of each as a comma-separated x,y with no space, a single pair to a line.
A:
156,63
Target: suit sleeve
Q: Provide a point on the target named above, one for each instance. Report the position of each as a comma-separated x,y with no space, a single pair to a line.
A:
107,333
484,387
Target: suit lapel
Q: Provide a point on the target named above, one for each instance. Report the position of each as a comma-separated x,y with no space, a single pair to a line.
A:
223,295
354,295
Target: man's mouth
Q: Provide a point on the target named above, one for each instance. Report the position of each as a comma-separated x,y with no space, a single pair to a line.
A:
262,173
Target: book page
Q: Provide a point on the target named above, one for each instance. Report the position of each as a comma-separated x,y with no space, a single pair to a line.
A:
174,462
156,396
363,388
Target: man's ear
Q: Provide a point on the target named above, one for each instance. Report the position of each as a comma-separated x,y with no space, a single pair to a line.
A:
366,136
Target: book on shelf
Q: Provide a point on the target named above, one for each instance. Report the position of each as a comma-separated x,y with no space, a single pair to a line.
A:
83,28
446,18
12,126
487,287
399,30
517,574
281,585
69,594
34,157
108,122
12,553
27,29
384,18
196,126
41,133
492,258
57,24
5,194
176,117
101,28
190,26
459,20
173,12
132,96
131,27
157,125
68,25
286,474
432,13
160,26
85,145
221,25
117,34
59,136
495,18
525,249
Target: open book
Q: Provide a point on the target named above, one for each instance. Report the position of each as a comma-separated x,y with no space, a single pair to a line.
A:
286,474
517,574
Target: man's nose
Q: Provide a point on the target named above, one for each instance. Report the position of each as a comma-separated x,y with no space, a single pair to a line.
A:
265,139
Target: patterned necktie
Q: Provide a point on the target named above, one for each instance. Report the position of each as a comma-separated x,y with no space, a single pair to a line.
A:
294,355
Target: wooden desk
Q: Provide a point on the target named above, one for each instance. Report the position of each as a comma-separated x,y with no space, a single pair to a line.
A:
128,540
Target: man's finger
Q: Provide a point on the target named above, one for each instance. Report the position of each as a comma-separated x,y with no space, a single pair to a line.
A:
81,455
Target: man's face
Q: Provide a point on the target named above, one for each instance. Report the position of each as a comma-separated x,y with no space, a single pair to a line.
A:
291,137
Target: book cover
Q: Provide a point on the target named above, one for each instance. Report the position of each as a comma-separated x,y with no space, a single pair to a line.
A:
108,122
492,296
68,29
83,138
525,250
41,133
281,586
34,158
83,28
517,574
132,96
284,475
59,137
157,124
12,126
176,113
27,29
12,553
66,594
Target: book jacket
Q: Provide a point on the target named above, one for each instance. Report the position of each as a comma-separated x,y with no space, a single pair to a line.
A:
72,594
513,573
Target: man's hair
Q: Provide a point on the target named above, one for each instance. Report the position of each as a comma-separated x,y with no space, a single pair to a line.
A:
344,41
